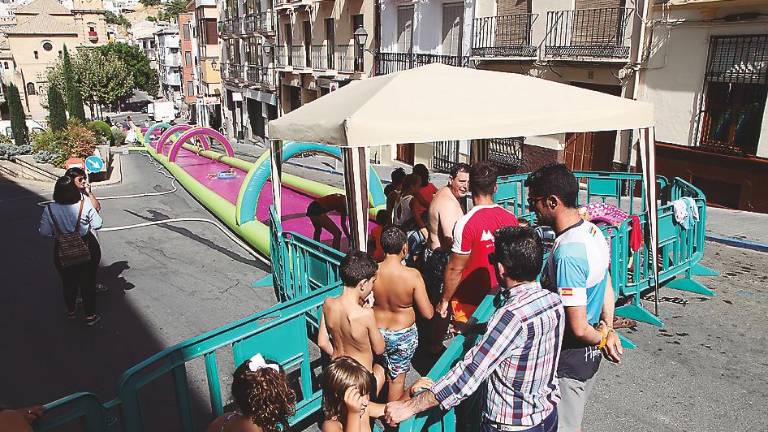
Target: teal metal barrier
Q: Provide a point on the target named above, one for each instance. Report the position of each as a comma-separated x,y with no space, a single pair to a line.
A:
283,332
300,265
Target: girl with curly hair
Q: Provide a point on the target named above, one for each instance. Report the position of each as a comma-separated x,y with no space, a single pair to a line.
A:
263,398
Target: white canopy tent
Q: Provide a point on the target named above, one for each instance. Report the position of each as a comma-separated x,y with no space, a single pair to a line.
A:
439,103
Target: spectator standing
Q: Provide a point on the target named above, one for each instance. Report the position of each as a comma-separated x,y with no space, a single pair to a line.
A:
444,211
469,275
423,198
71,213
392,191
516,357
577,269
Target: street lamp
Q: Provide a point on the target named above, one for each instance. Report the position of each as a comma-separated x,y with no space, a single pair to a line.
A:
361,36
267,48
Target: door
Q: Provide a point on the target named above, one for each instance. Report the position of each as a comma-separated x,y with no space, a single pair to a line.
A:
453,20
405,29
330,37
445,154
308,43
405,153
591,151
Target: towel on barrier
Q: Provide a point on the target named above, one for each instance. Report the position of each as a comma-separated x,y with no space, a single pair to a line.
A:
686,213
635,234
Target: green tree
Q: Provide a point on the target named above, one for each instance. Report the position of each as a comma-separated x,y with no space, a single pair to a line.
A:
172,9
71,88
57,115
18,119
120,20
150,2
104,80
144,77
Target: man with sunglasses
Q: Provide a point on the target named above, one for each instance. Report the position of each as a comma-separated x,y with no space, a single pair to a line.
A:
516,357
577,269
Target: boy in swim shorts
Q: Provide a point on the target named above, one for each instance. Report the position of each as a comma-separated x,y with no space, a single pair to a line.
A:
399,291
318,210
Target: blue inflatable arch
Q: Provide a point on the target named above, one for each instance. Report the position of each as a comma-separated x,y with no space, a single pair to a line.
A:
248,198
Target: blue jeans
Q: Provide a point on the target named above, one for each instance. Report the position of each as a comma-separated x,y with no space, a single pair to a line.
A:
548,425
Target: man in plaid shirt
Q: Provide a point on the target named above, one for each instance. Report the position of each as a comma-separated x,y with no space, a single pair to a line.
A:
516,359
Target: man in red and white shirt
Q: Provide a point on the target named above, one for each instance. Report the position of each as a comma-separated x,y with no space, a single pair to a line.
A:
470,276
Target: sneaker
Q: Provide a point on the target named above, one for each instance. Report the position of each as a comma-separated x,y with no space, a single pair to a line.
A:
93,319
100,288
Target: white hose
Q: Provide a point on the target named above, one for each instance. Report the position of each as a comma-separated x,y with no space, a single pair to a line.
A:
191,219
162,171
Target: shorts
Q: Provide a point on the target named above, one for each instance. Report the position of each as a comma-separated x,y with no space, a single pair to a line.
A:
400,345
574,394
435,263
315,209
416,245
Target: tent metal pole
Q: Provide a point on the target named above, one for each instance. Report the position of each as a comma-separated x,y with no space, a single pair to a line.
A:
276,170
356,185
648,159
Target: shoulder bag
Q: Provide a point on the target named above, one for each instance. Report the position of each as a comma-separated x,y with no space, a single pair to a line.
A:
72,249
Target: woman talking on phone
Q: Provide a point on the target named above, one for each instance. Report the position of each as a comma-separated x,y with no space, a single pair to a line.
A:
70,220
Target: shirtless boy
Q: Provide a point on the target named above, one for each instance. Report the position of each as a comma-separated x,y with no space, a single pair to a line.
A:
398,290
347,325
444,211
318,210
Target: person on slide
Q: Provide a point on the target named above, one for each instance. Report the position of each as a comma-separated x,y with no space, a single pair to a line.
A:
317,211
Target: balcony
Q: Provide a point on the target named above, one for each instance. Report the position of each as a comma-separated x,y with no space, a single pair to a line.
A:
260,23
235,72
260,76
93,36
388,62
588,34
323,58
344,58
504,37
282,59
230,27
299,57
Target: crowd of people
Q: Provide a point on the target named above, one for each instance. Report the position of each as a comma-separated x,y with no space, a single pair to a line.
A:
533,364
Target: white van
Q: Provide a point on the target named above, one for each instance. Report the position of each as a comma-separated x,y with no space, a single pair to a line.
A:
32,126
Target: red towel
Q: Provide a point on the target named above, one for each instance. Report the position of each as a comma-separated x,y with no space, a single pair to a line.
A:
635,234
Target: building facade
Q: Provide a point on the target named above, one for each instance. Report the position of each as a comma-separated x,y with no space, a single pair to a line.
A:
37,40
205,47
185,22
707,75
169,64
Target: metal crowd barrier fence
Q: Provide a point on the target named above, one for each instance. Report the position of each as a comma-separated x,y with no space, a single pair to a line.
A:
283,333
680,248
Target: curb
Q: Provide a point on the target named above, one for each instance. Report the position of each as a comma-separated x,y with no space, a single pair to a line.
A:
736,242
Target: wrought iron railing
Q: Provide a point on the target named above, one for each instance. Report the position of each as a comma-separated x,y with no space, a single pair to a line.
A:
282,58
224,28
504,36
588,34
224,70
445,154
237,26
388,62
235,72
322,57
344,58
253,74
505,153
298,56
730,130
259,22
268,78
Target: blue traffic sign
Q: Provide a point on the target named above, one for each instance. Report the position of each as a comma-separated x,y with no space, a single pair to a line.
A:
94,164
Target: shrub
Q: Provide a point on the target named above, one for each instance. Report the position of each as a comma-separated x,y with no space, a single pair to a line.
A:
4,139
7,151
44,156
74,141
80,142
102,130
119,137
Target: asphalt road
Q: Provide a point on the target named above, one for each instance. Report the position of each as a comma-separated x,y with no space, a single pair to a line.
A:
705,371
167,284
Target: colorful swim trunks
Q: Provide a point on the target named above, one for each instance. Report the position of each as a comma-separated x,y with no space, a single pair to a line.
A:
400,345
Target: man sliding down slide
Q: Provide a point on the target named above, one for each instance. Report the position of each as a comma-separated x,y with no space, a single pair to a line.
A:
317,211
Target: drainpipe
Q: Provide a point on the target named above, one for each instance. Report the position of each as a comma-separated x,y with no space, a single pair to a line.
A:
637,78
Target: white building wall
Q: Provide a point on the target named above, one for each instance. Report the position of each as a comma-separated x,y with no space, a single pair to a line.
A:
674,78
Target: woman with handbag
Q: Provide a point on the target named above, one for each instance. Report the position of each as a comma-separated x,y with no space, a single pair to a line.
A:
76,253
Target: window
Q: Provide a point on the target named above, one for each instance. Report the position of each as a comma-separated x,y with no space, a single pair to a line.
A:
47,45
185,31
210,34
330,37
357,22
251,51
405,29
5,65
31,88
35,54
188,58
190,88
735,90
453,18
